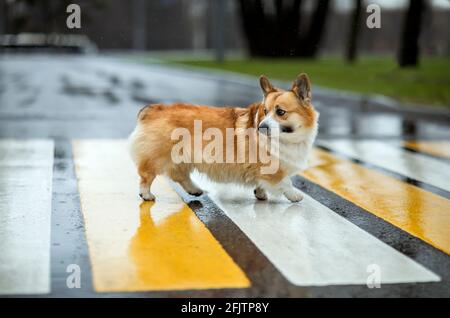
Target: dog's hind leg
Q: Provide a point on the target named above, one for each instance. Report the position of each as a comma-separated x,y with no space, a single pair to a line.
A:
181,175
147,177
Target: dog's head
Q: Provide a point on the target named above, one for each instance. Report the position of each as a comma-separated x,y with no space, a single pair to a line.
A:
288,112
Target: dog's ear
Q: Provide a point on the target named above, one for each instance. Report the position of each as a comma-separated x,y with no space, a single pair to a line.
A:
266,86
302,87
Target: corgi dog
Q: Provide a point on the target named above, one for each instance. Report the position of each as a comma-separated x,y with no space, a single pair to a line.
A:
287,115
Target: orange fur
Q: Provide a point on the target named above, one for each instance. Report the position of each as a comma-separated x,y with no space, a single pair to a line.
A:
151,143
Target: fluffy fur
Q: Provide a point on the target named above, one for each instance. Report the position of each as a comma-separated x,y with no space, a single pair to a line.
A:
288,112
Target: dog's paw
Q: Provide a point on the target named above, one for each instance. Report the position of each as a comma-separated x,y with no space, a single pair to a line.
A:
260,194
147,196
191,188
293,195
196,192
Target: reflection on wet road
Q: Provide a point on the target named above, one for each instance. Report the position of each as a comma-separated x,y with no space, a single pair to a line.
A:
172,249
144,246
308,242
81,91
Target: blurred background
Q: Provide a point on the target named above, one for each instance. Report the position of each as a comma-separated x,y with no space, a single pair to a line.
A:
322,27
401,65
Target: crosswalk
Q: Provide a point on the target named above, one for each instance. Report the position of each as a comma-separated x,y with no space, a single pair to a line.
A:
166,245
415,166
310,244
439,149
144,246
414,210
25,212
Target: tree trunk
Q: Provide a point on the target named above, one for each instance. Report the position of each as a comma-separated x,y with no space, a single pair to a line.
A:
3,16
139,26
279,35
315,31
253,23
355,26
409,48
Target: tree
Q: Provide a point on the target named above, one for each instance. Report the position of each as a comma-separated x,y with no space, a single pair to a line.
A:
279,34
409,46
316,29
355,26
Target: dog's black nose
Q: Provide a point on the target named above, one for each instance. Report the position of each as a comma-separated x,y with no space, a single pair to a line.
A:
264,128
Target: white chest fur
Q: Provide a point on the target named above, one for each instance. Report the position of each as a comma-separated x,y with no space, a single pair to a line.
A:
294,157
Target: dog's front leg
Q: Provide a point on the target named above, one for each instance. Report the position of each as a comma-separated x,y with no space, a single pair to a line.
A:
190,187
181,174
289,191
260,193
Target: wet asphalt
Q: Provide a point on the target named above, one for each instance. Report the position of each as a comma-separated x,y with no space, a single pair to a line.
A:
68,97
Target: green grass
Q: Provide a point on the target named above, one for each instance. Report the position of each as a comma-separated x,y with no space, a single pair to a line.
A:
427,84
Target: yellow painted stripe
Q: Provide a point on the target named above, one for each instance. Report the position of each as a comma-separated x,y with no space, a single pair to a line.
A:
137,246
435,148
418,212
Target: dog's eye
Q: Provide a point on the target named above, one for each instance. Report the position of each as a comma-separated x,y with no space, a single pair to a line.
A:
265,111
280,112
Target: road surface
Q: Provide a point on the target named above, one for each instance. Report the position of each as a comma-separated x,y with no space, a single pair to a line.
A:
374,222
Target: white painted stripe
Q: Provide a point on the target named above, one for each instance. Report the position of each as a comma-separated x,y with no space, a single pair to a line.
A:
26,169
388,156
309,243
